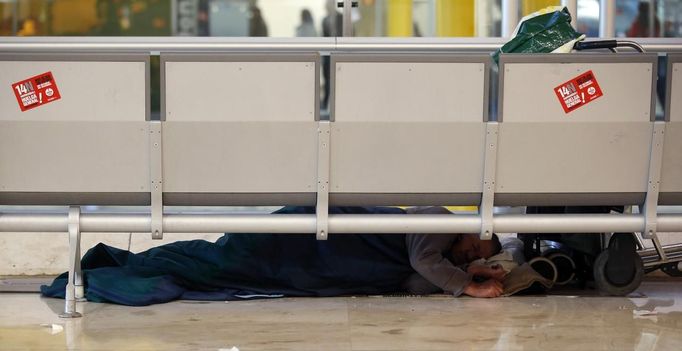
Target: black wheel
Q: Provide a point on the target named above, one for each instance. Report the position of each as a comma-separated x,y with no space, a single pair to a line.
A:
617,280
672,269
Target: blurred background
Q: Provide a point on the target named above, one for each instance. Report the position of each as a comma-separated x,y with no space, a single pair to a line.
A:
292,18
275,18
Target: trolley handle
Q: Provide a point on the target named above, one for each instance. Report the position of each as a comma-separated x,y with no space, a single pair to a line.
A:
607,44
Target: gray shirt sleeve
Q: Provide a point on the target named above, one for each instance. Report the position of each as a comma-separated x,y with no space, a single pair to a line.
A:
427,257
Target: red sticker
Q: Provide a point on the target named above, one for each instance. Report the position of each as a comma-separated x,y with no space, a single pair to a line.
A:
578,91
36,91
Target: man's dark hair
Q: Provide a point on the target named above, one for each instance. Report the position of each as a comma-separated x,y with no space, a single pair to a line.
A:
497,246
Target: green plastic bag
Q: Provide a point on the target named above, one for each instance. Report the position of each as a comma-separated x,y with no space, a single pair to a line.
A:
548,30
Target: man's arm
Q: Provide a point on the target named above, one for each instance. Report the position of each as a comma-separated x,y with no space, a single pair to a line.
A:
426,257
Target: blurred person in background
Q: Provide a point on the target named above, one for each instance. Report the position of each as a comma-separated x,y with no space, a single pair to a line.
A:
28,28
332,26
640,27
257,26
307,26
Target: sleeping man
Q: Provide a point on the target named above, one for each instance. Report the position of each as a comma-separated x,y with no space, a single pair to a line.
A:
441,262
240,266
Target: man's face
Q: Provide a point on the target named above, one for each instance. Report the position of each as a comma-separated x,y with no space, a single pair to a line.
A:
471,248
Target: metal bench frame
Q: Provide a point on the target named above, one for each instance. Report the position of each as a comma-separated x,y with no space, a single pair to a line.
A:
322,224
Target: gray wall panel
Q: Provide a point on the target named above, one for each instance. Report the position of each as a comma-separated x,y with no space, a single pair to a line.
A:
240,91
90,91
406,157
408,127
569,199
239,199
528,92
402,199
240,128
671,173
595,154
573,157
246,157
89,147
675,114
409,91
51,156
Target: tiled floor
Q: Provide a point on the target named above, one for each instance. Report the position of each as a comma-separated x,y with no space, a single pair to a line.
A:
648,320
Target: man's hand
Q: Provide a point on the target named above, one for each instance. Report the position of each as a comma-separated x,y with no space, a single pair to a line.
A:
489,288
495,272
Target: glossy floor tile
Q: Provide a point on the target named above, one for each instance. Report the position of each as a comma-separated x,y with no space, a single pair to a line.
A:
651,319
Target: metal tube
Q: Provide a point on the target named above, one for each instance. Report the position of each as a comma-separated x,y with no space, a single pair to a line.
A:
15,17
631,44
607,18
380,9
174,17
281,224
213,44
167,44
436,224
572,6
660,44
671,255
655,261
24,222
347,18
652,19
510,17
483,18
669,249
218,223
435,44
669,223
568,223
113,223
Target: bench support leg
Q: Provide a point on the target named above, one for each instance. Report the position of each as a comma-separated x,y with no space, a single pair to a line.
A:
489,173
322,207
156,186
74,287
650,207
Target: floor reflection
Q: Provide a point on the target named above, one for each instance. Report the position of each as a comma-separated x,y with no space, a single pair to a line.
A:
650,320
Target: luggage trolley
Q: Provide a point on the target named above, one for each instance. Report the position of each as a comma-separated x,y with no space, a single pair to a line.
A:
595,177
569,256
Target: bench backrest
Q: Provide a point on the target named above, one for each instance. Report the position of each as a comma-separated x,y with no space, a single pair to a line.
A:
240,128
90,146
408,129
594,154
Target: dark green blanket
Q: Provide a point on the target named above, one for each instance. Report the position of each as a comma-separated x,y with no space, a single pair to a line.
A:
247,265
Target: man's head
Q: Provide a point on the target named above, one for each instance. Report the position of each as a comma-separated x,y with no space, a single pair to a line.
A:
470,248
